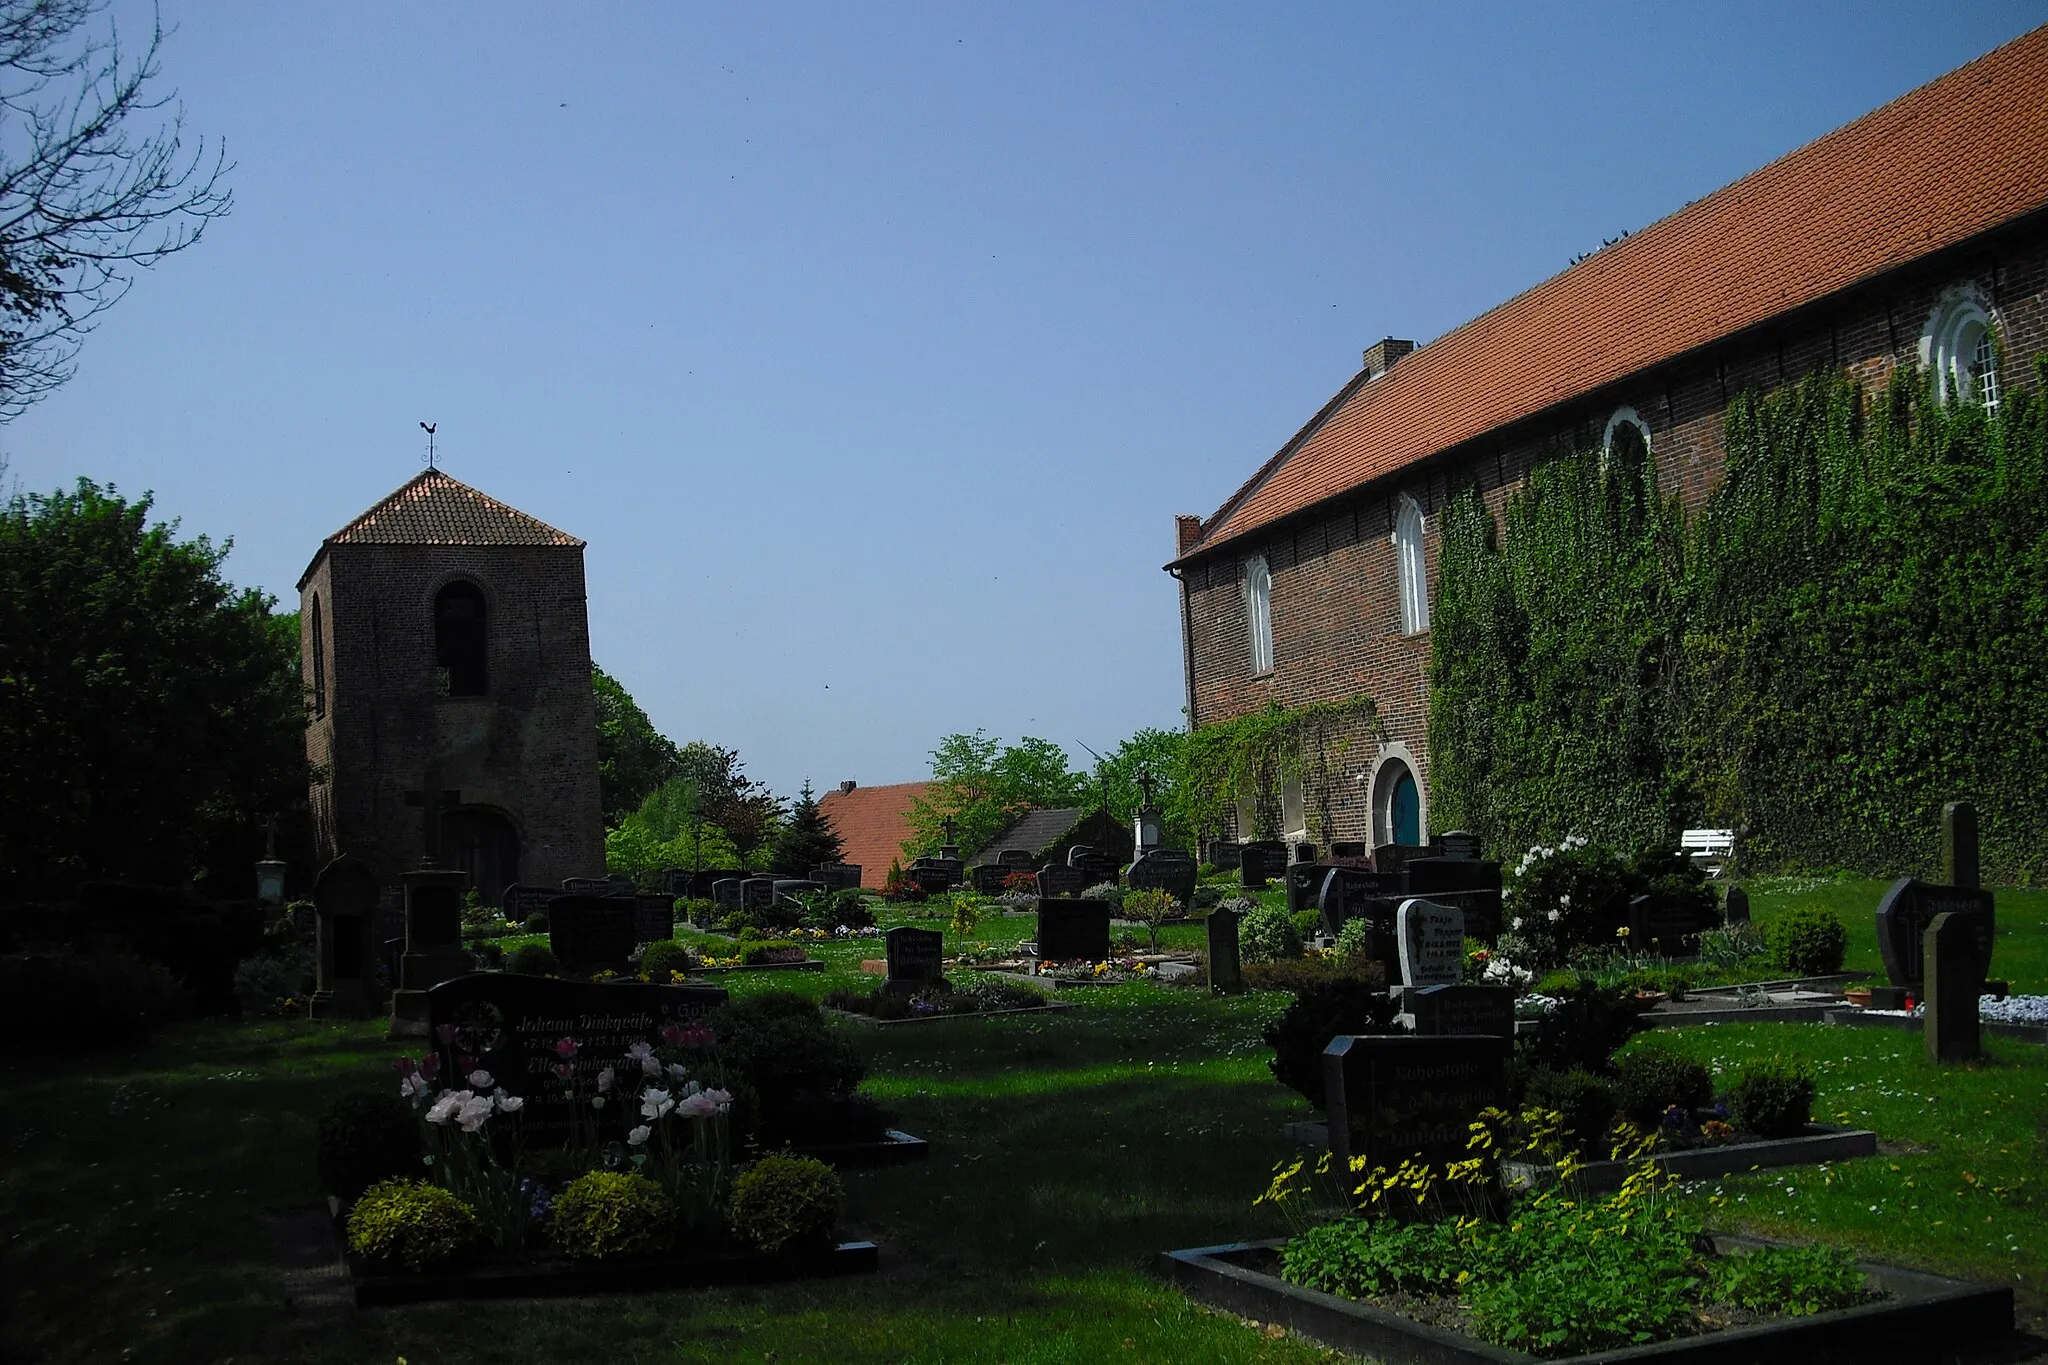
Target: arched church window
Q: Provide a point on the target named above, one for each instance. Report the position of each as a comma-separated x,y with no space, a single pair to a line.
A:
1258,610
1408,565
319,663
1626,442
1961,350
460,640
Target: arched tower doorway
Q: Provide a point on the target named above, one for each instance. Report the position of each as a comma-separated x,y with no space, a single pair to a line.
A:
1400,813
483,843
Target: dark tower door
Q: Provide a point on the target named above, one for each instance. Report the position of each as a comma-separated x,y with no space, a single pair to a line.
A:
1404,810
482,843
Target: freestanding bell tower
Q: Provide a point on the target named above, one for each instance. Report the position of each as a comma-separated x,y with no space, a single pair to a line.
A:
446,650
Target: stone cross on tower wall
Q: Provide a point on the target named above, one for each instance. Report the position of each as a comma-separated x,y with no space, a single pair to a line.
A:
433,801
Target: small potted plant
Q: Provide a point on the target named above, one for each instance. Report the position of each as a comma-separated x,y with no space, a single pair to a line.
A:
1859,996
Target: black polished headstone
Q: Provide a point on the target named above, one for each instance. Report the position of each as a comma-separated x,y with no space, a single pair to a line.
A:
1303,881
1226,960
1058,881
1073,931
510,1023
1165,870
1959,844
725,893
1458,1011
787,889
593,931
838,876
1457,843
1349,848
917,957
1096,868
587,886
1225,855
345,899
1396,1098
1391,859
1663,927
1345,893
654,916
987,878
1907,909
522,901
1736,908
1957,953
1017,860
757,893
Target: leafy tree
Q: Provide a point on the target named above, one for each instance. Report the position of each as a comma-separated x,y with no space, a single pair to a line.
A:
727,797
633,758
984,785
1164,753
667,831
806,839
146,705
90,192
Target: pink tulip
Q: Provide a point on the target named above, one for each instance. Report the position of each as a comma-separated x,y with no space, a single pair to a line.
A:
468,1063
566,1048
564,1071
405,1066
430,1065
672,1035
446,1033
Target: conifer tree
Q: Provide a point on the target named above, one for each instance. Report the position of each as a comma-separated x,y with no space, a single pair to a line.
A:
807,839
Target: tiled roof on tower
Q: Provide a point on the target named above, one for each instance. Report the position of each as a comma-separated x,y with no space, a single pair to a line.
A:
1954,159
435,509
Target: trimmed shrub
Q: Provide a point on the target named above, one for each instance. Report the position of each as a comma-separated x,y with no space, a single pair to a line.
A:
666,955
1319,1013
1650,1080
1267,935
785,1201
611,1213
848,907
775,1050
1307,924
1298,974
1105,891
69,999
534,959
1582,1033
1585,1101
1771,1101
536,923
1808,940
365,1137
402,1225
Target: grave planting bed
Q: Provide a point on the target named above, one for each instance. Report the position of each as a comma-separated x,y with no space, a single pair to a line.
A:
812,964
554,1279
1922,1314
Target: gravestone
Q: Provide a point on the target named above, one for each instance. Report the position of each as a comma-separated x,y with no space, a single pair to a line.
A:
917,957
587,886
1226,855
1735,910
1907,909
1346,893
1659,926
929,876
725,893
433,944
593,932
1056,881
522,902
787,889
305,917
1459,1011
1392,1098
1432,943
345,907
1251,867
1391,859
838,876
1457,843
509,1025
1226,960
1957,955
1165,870
1473,885
757,893
1301,853
987,878
1959,844
654,916
1303,881
1095,868
1073,930
1017,860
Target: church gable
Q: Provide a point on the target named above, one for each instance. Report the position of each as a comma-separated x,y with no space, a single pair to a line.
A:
435,509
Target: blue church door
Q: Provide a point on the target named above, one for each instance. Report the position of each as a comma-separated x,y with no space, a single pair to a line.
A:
1404,810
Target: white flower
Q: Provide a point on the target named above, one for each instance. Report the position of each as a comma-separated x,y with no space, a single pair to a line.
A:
604,1081
448,1105
1517,925
597,1101
511,1104
474,1111
698,1106
1556,915
655,1103
481,1080
678,1073
640,1051
1565,899
638,1137
413,1085
650,1067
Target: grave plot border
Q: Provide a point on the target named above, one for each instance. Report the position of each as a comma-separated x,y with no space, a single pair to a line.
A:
1049,983
893,1149
549,1279
1925,1313
1850,1017
869,1020
1752,1014
1820,1142
809,964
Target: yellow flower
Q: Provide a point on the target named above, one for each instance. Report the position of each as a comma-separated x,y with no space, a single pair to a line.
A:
1622,932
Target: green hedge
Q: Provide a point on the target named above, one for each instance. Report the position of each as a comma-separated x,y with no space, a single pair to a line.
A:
1846,635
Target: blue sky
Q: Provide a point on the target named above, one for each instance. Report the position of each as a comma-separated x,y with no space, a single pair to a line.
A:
873,347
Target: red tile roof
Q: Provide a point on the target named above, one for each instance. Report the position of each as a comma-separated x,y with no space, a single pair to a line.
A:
872,823
436,509
1946,162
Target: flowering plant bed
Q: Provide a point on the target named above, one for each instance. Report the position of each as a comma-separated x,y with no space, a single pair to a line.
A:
1117,971
1918,1313
537,1278
723,966
980,994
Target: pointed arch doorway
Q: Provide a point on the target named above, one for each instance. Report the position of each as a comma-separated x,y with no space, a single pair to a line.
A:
482,842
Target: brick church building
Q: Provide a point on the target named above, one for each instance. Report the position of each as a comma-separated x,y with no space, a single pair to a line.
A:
446,652
1917,233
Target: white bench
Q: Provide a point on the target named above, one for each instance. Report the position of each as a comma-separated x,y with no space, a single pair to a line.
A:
1710,848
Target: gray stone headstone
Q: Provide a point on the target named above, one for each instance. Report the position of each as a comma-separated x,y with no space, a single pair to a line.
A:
787,889
725,893
1431,941
1226,960
987,878
757,893
1397,1098
1226,855
1903,915
1461,1011
345,905
593,932
510,1024
1073,930
1957,953
1059,882
1017,860
1736,908
917,957
1164,870
1959,844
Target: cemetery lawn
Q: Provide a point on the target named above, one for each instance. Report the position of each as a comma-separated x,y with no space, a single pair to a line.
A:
141,1186
2020,958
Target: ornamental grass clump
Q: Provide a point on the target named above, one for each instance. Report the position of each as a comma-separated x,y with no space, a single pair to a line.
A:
786,1202
607,1214
411,1225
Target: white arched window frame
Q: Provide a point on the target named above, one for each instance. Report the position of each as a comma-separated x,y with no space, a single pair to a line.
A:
1258,612
1410,568
1623,417
1960,348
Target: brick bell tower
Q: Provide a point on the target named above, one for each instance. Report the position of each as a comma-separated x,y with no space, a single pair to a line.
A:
446,650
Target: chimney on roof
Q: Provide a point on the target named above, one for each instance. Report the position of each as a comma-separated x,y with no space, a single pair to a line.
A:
1379,359
848,785
1186,531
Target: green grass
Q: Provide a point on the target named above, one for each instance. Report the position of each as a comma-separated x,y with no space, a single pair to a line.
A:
2021,955
138,1185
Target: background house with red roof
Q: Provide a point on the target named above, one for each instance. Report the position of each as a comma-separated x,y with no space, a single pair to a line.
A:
872,823
1916,233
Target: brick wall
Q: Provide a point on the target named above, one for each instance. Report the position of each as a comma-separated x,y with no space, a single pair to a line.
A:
1335,599
526,749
